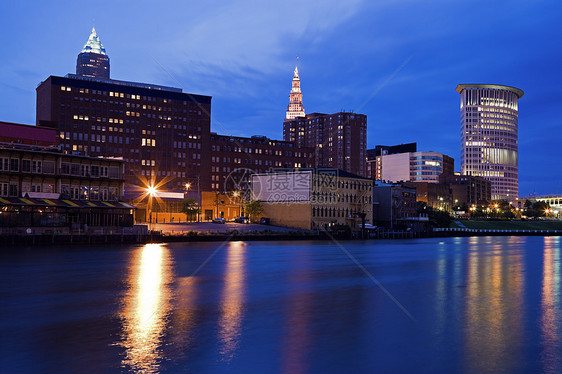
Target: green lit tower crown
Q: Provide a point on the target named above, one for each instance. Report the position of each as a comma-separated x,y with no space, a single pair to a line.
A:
93,61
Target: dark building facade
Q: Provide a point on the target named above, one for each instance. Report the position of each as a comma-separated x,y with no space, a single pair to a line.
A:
339,139
161,132
381,150
438,196
93,60
469,189
394,205
234,159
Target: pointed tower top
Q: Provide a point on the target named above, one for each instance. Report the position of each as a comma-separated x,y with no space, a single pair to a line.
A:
295,108
94,44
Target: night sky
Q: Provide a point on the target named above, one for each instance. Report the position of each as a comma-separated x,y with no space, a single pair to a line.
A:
398,62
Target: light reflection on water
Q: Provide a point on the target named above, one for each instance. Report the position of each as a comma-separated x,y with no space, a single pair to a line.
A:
297,340
481,304
232,300
493,312
145,308
550,319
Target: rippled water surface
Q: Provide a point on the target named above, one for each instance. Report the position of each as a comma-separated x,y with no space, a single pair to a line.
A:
474,305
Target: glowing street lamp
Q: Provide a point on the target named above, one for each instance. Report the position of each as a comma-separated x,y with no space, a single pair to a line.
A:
151,191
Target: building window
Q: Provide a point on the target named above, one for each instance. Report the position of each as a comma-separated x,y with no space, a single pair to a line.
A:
13,190
26,166
14,165
65,191
49,167
65,168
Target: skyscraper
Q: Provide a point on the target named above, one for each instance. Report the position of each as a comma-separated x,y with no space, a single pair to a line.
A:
161,132
489,140
295,108
93,61
339,139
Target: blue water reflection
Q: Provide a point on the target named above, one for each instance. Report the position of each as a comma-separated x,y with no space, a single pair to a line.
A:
550,318
480,305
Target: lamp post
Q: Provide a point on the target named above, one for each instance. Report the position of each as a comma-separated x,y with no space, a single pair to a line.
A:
188,185
151,191
236,194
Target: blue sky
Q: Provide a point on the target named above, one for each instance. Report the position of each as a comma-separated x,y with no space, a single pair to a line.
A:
396,61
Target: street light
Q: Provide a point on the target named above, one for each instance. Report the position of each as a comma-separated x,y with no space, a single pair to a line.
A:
151,191
236,194
188,186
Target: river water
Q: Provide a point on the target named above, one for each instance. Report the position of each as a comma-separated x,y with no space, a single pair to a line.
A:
472,305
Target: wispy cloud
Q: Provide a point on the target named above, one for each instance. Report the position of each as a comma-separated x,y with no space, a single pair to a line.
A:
250,35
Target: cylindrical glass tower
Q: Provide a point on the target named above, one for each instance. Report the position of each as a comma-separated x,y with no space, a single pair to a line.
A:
489,143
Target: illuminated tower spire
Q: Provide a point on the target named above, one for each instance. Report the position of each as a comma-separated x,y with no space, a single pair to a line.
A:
295,108
93,60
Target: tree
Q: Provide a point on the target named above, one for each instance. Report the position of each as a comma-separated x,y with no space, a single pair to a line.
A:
191,208
437,218
253,209
537,209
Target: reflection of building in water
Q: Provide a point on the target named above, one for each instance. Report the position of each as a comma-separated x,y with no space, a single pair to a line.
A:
494,304
185,319
297,335
145,308
550,319
232,300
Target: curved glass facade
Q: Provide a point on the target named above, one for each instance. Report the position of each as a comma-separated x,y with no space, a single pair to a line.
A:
489,136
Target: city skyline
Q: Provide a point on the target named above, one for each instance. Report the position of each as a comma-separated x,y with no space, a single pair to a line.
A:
373,59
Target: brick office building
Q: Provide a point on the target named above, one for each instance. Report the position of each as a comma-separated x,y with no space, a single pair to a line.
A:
339,139
469,189
234,158
161,132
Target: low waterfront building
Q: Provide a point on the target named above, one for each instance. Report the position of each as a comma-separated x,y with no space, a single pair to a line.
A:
314,198
394,206
44,187
437,196
221,205
469,189
25,134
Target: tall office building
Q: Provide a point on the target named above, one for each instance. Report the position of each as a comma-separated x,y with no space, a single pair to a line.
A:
295,108
339,139
489,140
161,132
93,61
